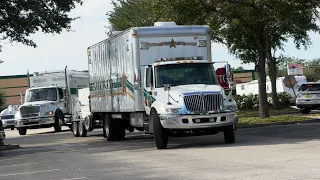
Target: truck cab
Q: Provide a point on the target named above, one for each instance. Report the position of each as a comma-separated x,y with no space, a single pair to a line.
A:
43,107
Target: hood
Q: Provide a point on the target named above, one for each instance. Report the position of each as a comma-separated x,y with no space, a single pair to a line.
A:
38,103
176,91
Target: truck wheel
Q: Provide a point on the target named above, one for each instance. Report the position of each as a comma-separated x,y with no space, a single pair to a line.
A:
75,129
82,130
110,128
88,124
305,111
58,122
159,133
22,130
229,136
12,129
121,132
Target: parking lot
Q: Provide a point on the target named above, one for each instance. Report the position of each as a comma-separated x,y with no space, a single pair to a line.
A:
276,152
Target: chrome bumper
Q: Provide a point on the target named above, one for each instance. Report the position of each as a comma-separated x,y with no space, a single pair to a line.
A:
198,121
34,121
8,123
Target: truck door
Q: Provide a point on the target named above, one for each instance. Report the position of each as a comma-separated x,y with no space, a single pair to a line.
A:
63,105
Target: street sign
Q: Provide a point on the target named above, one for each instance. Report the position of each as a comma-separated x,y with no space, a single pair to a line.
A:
295,69
222,79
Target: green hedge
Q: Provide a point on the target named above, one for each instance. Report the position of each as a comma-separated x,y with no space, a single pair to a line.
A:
252,101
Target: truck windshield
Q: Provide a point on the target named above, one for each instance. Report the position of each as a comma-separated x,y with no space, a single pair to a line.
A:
184,74
44,94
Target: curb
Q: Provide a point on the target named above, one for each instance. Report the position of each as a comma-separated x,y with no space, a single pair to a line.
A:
9,147
277,123
283,113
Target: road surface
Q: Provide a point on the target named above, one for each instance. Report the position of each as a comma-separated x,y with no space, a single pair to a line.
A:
278,152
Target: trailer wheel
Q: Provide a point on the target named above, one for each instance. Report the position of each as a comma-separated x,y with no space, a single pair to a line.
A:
121,132
58,122
22,131
82,130
160,134
88,123
109,127
75,129
229,136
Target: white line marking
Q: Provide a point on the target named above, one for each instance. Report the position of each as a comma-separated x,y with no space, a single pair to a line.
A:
75,178
34,172
18,165
10,159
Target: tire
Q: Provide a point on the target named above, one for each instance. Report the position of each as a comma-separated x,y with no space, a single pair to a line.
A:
75,129
82,130
58,122
229,135
110,128
305,111
12,129
22,131
121,132
160,134
88,123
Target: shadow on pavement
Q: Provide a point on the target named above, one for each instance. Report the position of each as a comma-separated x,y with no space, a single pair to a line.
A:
66,143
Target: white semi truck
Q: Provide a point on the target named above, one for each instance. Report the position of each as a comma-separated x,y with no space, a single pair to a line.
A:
51,100
160,80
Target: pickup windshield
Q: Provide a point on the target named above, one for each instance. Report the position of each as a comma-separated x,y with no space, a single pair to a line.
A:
310,87
44,94
184,74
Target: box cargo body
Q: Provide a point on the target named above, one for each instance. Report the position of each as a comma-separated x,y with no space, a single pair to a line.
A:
112,62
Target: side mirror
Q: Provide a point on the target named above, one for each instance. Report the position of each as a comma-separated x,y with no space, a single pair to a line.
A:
149,78
228,74
167,87
137,79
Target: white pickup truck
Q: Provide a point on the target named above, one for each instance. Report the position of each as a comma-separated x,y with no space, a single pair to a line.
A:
159,80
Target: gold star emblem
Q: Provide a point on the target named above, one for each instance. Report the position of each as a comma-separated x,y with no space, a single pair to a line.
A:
172,44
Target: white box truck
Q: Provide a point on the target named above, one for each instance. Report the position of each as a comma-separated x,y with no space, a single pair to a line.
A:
51,100
160,80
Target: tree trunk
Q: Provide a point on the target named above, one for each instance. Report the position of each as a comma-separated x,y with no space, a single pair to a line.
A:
263,102
273,78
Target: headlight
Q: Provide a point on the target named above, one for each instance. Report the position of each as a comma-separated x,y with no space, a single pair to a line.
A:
175,111
229,108
48,113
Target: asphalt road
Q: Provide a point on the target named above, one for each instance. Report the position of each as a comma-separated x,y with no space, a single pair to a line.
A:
278,152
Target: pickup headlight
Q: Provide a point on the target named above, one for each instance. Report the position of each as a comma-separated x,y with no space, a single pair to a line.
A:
48,113
172,110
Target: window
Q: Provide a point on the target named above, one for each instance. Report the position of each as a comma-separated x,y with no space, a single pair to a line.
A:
60,93
148,78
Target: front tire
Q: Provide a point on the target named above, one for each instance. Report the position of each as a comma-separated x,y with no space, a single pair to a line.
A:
58,122
305,111
160,134
229,135
22,131
109,127
82,130
75,129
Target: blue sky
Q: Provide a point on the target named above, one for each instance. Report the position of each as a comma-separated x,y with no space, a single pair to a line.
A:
54,52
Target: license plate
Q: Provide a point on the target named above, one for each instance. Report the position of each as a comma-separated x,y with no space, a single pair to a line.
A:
308,96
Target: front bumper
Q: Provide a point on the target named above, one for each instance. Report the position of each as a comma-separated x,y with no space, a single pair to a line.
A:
8,123
198,121
35,121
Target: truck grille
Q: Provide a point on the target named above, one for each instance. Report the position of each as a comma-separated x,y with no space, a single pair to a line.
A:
29,111
203,103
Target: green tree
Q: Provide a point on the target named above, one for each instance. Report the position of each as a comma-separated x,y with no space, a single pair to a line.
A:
19,19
